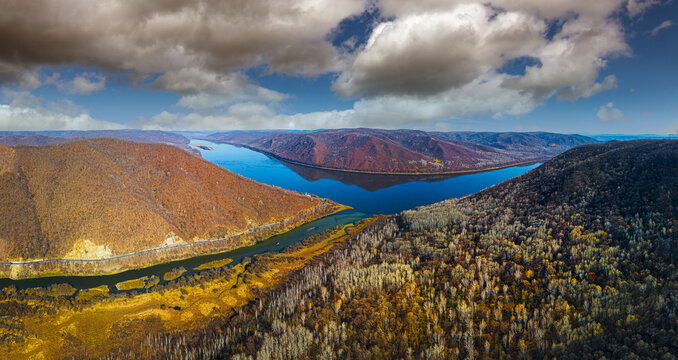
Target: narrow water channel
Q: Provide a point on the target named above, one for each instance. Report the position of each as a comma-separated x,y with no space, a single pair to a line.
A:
272,245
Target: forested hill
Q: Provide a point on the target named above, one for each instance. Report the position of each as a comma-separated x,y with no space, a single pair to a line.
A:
576,259
103,197
404,151
627,177
12,138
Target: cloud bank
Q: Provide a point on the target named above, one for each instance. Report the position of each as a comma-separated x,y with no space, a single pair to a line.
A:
25,112
424,61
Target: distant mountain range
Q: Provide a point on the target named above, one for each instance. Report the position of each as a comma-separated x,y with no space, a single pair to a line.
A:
403,151
626,137
98,198
58,137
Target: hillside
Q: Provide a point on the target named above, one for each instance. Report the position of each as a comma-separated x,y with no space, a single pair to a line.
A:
549,143
404,151
12,138
105,197
574,260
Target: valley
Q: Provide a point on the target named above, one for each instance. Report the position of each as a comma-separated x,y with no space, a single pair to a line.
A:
338,180
452,279
103,206
403,152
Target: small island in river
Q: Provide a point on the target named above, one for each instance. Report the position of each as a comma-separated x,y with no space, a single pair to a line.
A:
203,147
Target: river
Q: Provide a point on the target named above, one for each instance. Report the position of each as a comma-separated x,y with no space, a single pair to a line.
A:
367,194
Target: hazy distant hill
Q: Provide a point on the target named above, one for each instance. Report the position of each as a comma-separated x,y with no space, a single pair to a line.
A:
520,141
404,151
101,197
573,260
626,137
245,136
58,137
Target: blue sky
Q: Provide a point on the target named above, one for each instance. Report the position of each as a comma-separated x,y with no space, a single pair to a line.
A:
566,66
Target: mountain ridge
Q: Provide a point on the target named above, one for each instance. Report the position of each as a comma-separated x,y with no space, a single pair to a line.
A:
106,197
403,151
37,138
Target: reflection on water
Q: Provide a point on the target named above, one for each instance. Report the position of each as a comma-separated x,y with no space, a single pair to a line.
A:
369,182
368,193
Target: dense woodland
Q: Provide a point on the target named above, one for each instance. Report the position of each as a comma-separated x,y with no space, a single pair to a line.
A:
575,259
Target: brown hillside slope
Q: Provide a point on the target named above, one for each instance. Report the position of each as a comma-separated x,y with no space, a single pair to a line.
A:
13,138
124,197
404,151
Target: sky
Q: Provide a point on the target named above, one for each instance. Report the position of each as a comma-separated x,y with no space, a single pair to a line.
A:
570,66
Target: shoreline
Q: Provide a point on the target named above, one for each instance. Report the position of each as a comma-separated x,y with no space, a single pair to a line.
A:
93,321
31,269
201,146
399,173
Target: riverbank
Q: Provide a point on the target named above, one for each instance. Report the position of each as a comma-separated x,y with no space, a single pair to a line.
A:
99,325
203,147
150,257
400,173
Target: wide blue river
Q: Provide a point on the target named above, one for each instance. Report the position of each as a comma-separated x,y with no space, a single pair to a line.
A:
368,194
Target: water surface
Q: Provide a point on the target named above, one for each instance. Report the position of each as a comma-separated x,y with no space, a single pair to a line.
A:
368,193
274,244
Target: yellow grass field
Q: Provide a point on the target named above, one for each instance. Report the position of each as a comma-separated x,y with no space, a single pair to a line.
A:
173,274
114,321
214,264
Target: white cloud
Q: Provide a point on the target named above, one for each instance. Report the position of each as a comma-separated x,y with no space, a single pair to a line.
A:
431,60
573,58
247,116
26,112
193,80
609,113
432,52
483,95
29,80
448,52
637,7
14,118
82,84
574,93
20,98
664,25
203,90
547,9
86,83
